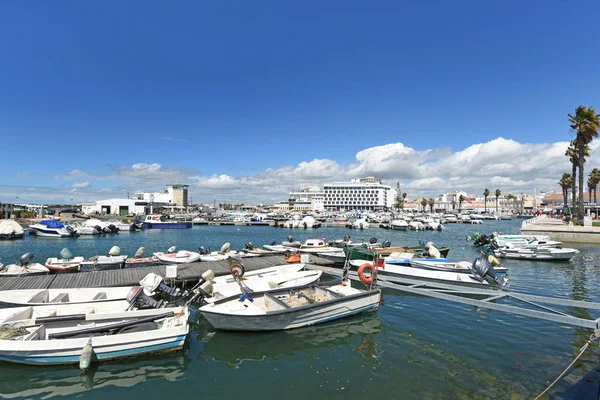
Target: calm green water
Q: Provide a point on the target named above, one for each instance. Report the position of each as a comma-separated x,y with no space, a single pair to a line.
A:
413,348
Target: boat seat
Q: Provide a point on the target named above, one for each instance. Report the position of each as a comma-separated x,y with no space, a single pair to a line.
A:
100,296
41,297
61,298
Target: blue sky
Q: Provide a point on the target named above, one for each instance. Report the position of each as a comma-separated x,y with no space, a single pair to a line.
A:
246,100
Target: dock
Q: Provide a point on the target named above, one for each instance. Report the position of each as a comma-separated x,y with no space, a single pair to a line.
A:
131,276
556,229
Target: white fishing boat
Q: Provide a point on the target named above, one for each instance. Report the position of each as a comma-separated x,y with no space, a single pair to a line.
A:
111,261
39,297
445,265
66,262
263,280
317,245
288,309
122,226
539,253
52,229
361,223
23,267
180,257
207,256
85,230
140,261
399,225
477,277
93,339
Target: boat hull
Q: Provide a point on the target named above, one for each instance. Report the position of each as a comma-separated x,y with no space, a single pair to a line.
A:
296,317
167,225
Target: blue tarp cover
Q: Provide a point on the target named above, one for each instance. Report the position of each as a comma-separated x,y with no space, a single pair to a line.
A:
52,224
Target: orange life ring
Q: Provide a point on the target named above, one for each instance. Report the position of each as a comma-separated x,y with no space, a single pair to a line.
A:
361,273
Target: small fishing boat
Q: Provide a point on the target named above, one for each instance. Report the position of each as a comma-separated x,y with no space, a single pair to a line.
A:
445,265
288,308
67,263
539,253
97,263
140,261
207,256
317,245
481,271
262,280
10,230
82,341
38,297
23,267
181,257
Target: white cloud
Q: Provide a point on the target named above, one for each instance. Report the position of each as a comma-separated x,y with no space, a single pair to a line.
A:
501,163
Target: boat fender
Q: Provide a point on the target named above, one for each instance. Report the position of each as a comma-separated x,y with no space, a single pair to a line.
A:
493,260
86,356
366,280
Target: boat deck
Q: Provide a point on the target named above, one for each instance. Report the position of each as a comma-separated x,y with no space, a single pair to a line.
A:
132,276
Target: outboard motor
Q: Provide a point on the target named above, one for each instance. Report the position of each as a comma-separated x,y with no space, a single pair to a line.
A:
290,239
249,246
25,259
373,240
386,243
98,228
236,267
171,249
483,269
274,242
153,283
346,238
203,250
137,298
482,240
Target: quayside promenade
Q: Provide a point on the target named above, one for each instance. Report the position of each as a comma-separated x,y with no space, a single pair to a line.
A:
559,230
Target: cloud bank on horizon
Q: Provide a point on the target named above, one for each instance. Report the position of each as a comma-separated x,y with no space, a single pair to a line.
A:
500,163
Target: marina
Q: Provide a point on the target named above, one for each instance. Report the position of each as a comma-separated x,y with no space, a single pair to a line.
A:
423,333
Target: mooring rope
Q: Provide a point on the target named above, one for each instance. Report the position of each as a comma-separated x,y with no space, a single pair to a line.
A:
582,350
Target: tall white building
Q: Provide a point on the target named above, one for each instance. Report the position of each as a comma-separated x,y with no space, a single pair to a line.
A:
309,198
359,194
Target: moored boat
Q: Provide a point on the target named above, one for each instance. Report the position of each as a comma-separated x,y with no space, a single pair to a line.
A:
52,229
38,297
23,267
181,257
157,221
10,230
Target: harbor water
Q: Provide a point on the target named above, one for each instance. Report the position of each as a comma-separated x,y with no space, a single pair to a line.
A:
412,348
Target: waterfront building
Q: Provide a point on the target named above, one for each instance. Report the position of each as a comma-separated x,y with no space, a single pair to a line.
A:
309,198
359,194
170,200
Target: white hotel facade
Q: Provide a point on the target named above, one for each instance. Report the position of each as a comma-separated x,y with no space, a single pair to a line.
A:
367,194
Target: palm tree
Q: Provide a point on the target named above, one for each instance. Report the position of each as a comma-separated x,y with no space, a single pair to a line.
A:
595,174
586,123
565,183
497,193
424,203
510,197
431,203
404,199
461,199
573,155
590,186
486,193
453,204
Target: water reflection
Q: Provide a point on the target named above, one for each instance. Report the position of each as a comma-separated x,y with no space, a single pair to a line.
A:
32,381
234,348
